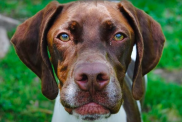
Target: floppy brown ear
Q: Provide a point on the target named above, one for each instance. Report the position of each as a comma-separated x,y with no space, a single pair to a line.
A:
149,39
31,46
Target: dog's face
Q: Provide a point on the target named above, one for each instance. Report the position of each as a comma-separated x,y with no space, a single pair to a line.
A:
90,45
90,51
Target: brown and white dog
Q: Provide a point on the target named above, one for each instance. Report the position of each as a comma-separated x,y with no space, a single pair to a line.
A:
90,45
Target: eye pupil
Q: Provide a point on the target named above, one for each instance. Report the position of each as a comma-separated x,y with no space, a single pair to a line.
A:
119,37
64,37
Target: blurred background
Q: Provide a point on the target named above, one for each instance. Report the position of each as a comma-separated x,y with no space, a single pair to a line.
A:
21,99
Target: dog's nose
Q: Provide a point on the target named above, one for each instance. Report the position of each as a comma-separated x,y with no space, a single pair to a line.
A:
92,76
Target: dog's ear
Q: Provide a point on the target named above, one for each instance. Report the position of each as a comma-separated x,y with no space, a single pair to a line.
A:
149,39
31,46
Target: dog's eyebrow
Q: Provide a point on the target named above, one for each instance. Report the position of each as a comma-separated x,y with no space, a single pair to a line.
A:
73,25
108,24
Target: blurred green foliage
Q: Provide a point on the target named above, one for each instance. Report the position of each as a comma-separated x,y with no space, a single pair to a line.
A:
162,101
24,8
20,91
168,14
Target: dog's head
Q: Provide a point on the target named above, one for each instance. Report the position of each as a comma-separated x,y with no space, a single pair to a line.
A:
90,45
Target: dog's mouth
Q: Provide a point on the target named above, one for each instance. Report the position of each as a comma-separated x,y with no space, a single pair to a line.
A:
91,111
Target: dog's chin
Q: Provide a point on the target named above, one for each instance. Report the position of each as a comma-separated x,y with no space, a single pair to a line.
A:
91,112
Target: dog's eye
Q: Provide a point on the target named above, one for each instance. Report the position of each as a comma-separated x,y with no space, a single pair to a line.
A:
118,37
64,37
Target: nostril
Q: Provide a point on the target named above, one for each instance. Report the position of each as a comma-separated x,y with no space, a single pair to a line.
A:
83,78
102,78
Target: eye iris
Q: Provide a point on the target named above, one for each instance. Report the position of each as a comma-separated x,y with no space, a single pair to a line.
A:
64,37
118,37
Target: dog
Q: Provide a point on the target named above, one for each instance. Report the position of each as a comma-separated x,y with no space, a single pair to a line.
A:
90,45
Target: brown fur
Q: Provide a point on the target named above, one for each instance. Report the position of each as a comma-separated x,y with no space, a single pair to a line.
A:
91,32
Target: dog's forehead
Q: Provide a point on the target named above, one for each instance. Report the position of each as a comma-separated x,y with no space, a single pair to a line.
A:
92,11
93,14
87,9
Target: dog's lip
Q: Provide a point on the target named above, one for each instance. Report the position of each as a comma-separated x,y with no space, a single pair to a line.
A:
89,109
92,109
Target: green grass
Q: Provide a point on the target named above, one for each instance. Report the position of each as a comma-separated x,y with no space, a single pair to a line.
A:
162,101
20,91
168,14
22,9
